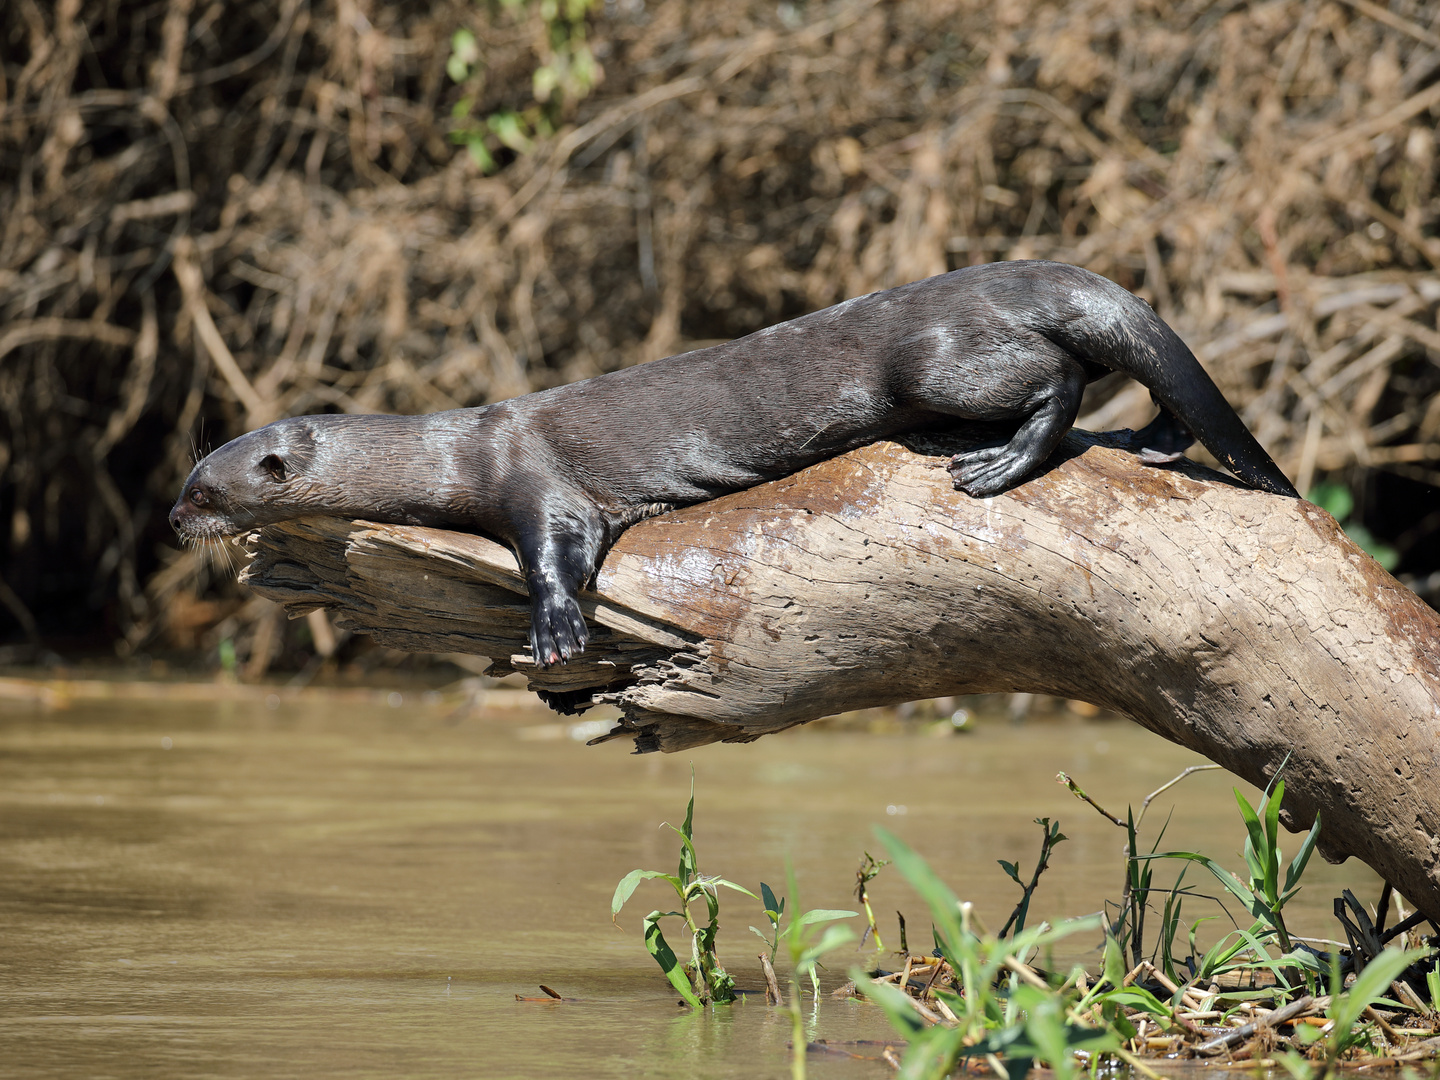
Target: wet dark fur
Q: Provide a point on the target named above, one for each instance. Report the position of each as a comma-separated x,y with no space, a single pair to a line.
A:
559,474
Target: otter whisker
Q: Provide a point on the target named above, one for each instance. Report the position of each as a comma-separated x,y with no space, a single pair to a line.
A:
226,554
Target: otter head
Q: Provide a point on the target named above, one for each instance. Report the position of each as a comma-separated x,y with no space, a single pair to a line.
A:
250,481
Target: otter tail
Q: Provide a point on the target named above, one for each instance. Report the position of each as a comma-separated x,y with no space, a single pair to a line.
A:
1104,323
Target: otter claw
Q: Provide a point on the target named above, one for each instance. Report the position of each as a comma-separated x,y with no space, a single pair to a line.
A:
981,473
557,632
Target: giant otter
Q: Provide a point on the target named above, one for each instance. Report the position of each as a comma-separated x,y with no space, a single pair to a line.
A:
559,474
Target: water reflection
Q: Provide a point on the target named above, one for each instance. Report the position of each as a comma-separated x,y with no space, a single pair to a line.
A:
343,886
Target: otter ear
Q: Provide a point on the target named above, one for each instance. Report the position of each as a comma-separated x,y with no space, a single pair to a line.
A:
272,464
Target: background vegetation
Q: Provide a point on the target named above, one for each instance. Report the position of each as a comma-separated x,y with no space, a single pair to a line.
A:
213,214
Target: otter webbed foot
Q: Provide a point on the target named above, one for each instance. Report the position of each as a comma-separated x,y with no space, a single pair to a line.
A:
987,471
557,629
559,546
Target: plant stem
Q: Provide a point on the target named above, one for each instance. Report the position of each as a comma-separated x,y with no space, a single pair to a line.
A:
798,1043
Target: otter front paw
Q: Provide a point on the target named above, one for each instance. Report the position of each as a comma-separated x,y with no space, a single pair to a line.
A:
557,629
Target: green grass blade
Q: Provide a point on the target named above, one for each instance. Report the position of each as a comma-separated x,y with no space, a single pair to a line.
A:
1255,839
689,861
1220,958
1272,842
1132,844
1252,903
1137,997
1113,962
1262,957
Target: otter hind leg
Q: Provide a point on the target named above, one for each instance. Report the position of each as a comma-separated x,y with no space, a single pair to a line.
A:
992,469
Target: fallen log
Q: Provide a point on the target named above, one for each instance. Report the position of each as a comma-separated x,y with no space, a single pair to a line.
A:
1245,626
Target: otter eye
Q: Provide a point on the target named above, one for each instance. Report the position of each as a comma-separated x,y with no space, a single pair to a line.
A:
274,466
198,496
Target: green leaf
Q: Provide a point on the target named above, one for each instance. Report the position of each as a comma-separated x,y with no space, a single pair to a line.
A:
480,154
1255,840
544,82
626,888
816,915
1334,499
773,908
1263,958
833,938
1013,870
688,829
732,885
656,945
509,128
1047,1035
1044,1034
1114,962
1137,997
1302,959
1042,936
712,900
1216,960
688,859
464,53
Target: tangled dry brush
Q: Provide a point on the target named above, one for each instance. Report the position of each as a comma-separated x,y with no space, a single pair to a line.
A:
219,213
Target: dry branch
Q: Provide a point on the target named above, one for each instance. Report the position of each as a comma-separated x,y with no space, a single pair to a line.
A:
265,211
1245,626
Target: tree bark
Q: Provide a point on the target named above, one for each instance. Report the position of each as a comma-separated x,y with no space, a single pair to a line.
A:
1243,625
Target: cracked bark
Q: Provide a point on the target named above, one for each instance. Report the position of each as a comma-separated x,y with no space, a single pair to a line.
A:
1243,625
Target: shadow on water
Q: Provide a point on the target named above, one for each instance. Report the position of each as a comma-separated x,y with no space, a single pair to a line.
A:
344,887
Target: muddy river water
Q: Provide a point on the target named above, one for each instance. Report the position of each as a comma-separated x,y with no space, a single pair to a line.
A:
359,884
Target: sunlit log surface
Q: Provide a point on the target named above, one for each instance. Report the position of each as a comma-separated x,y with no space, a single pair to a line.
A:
1245,626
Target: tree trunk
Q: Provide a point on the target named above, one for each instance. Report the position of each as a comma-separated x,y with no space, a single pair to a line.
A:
1245,626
